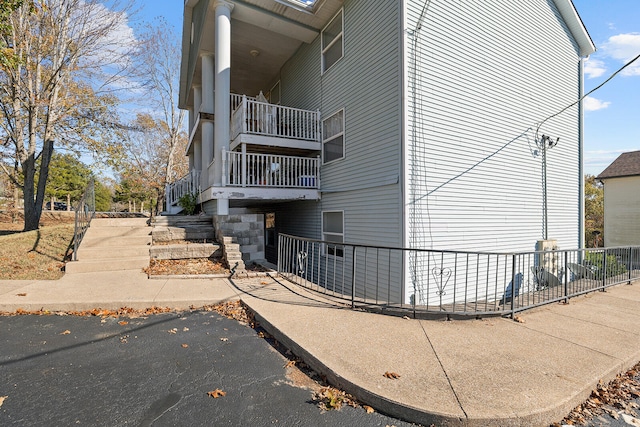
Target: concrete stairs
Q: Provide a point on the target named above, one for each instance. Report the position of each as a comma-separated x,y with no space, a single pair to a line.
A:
113,244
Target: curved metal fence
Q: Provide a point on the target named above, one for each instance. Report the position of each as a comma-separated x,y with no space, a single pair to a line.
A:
427,283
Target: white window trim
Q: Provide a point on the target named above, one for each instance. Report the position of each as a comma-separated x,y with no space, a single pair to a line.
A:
279,85
335,136
325,249
333,42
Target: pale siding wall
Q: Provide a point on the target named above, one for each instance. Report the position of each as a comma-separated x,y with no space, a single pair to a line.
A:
366,82
486,73
480,76
622,211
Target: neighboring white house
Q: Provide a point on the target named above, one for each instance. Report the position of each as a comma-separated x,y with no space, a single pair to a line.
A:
397,123
621,181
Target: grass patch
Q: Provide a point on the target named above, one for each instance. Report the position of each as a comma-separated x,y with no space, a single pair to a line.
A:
35,255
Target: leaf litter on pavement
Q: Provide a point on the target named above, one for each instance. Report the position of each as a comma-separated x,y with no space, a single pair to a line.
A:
615,399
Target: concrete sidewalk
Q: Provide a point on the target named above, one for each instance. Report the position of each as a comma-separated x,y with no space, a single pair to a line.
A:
493,372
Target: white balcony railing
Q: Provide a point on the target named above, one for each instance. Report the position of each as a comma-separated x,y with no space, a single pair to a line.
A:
186,185
268,170
261,118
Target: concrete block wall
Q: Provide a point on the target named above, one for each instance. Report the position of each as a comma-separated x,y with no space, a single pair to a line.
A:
247,231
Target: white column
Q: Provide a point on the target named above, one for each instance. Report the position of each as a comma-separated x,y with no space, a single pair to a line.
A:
197,144
223,92
207,106
192,119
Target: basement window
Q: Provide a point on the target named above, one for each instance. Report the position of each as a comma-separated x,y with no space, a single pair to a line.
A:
333,231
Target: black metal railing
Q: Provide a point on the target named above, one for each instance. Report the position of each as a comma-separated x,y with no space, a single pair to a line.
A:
85,211
451,283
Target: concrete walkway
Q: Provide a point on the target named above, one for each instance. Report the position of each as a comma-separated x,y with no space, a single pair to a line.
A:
493,372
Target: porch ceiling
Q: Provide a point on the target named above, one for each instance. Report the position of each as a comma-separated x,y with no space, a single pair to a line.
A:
250,74
270,28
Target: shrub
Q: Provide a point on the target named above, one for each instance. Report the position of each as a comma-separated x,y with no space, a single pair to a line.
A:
188,202
614,267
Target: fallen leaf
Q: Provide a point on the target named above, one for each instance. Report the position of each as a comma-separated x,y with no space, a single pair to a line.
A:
224,339
22,294
406,317
369,409
185,329
518,319
123,322
290,363
185,345
2,398
173,331
67,332
217,393
391,375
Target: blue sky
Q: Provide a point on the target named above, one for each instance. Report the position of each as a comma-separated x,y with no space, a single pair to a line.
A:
612,119
612,122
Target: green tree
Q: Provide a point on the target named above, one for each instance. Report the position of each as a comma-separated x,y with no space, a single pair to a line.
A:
68,176
593,212
103,197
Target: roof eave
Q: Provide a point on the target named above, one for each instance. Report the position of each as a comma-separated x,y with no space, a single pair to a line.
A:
576,26
183,92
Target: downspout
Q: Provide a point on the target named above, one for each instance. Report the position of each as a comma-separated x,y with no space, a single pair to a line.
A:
581,154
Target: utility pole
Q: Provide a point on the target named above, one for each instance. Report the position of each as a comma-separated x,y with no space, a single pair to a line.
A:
545,143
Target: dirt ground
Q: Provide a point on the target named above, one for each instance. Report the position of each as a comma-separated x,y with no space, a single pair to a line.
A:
13,221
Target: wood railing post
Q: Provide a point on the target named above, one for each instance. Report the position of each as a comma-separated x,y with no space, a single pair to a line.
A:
244,113
224,167
244,165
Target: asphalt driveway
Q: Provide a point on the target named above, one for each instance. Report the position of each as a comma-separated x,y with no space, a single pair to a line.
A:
158,370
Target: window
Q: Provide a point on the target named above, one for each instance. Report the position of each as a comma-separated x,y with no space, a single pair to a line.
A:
333,137
333,231
274,94
332,42
302,5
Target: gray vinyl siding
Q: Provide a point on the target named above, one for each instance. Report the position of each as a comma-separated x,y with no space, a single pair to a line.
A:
367,84
298,219
486,74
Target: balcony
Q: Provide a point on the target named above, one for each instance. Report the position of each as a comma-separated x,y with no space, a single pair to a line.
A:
253,176
270,171
188,184
258,123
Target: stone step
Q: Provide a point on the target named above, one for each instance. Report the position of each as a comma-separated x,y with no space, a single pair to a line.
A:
112,252
231,247
178,220
132,263
167,234
185,251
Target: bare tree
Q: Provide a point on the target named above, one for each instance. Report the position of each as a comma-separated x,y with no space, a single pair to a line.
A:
159,59
68,55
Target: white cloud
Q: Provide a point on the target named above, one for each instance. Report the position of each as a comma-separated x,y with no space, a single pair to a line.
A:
593,104
594,68
624,47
